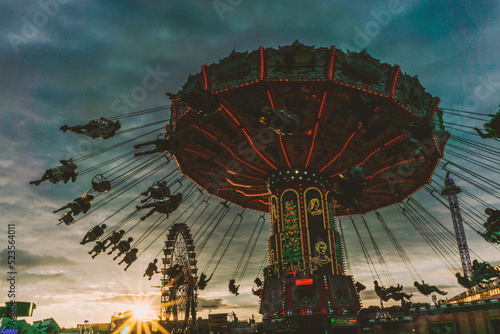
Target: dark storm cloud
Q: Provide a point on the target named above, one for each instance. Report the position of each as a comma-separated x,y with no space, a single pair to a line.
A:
214,303
218,303
26,258
104,47
91,53
369,293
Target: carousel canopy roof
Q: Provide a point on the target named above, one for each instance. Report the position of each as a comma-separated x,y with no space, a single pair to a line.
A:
353,110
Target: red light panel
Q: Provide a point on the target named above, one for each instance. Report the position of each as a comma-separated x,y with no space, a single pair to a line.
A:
204,68
270,99
347,143
256,150
306,281
395,80
332,62
284,153
261,63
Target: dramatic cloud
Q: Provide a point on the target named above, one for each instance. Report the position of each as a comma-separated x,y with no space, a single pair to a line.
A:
27,259
68,62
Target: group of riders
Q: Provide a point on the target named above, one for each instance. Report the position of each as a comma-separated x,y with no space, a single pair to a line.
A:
178,274
163,202
347,189
492,128
396,292
492,226
482,273
159,193
114,240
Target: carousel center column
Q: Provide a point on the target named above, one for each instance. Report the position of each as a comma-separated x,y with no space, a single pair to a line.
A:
306,273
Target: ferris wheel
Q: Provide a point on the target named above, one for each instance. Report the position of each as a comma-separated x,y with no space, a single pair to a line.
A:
179,292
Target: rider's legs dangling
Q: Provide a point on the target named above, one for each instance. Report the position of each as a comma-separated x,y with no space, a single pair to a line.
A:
67,206
145,144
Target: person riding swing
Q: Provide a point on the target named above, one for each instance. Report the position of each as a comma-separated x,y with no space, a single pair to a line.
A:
98,128
260,286
93,234
427,289
397,296
233,288
165,143
348,189
79,205
58,174
162,207
492,226
200,101
464,281
483,272
98,249
202,283
492,128
282,122
129,258
159,190
381,292
176,275
493,221
113,239
123,247
151,270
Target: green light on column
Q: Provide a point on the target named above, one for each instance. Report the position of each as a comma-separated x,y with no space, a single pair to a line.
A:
333,320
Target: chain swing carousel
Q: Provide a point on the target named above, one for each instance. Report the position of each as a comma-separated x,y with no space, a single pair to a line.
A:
308,135
305,134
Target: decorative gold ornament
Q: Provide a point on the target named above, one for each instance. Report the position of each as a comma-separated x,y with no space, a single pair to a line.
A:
313,207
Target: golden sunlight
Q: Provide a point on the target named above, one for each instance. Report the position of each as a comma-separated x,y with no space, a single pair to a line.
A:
141,311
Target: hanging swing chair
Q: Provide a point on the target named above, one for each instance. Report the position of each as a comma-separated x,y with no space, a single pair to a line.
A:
169,142
67,219
160,190
101,184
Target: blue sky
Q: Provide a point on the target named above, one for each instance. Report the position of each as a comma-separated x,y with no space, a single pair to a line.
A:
67,62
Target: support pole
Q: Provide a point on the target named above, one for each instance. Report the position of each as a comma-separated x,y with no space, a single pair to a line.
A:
451,190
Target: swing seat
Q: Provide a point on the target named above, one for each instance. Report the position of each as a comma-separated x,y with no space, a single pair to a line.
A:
123,248
130,260
56,175
162,136
99,250
169,142
160,191
76,208
491,237
101,184
67,219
